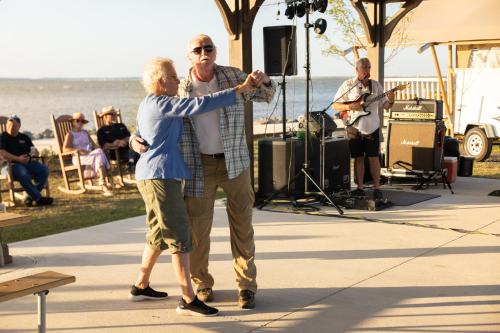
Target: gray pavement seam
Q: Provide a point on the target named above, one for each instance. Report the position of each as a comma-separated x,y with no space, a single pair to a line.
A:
373,276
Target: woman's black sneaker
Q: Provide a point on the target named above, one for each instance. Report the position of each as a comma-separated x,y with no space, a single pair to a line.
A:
148,293
195,308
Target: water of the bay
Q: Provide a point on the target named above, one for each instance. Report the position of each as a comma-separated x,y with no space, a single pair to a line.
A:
35,100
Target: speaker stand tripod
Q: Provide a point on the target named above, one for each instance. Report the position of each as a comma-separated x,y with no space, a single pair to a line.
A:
305,169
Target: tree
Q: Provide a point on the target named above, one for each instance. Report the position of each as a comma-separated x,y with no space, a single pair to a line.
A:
350,32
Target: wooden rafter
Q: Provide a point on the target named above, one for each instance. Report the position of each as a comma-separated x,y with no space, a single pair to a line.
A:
388,28
244,13
405,8
365,21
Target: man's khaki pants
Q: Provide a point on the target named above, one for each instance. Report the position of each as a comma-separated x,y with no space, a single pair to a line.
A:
240,199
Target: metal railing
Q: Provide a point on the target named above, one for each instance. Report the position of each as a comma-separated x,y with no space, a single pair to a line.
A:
422,87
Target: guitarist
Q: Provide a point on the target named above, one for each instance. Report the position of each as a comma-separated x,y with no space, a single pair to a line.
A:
363,134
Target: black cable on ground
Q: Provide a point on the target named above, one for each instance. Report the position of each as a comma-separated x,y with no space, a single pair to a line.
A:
318,212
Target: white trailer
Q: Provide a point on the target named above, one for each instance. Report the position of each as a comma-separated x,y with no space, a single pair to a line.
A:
471,92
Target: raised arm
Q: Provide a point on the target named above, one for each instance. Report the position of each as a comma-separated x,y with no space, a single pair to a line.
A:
185,107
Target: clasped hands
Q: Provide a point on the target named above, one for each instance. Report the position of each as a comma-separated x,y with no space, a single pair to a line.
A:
260,78
252,82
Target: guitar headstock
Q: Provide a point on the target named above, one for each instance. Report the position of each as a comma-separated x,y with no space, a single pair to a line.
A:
402,87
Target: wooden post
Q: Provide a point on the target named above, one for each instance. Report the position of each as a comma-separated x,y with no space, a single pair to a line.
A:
450,77
238,21
449,123
376,52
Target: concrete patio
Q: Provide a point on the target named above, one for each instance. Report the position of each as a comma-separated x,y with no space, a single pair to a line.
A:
315,274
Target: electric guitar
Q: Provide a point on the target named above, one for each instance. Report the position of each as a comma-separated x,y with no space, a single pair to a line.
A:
350,117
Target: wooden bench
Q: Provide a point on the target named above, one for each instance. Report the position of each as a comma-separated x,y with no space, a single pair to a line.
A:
7,220
38,284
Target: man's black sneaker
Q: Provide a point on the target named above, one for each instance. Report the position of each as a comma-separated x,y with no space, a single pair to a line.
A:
205,295
28,202
195,308
44,201
358,193
377,194
138,294
246,299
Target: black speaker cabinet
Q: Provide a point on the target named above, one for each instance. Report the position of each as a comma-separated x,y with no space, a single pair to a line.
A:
280,50
279,162
418,145
336,162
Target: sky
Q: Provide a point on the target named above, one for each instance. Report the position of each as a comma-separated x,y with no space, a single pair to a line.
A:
114,38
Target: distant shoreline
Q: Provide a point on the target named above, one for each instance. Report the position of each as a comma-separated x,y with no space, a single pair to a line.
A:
276,78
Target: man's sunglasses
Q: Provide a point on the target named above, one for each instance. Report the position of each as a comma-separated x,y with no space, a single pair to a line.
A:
206,48
79,120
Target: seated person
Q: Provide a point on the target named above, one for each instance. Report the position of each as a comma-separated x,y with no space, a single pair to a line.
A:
93,159
18,149
114,135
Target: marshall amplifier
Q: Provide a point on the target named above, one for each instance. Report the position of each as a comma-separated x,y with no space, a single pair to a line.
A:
415,145
417,109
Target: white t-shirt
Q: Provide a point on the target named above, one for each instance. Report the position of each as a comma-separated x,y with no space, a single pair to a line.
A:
370,123
206,125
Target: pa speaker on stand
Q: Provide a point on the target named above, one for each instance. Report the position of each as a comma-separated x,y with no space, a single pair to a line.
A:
280,50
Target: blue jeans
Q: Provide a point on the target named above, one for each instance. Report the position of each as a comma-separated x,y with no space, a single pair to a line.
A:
27,173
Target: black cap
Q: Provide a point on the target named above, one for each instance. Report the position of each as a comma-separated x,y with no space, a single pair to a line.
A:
15,118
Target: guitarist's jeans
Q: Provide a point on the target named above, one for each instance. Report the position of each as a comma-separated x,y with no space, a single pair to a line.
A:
361,144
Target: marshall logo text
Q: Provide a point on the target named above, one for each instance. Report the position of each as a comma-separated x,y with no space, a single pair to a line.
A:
410,143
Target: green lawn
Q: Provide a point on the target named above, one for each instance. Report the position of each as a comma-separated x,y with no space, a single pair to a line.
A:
71,212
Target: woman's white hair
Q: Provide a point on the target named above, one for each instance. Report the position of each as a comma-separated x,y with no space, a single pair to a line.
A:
155,71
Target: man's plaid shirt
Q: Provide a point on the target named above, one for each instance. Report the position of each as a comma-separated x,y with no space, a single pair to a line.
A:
232,128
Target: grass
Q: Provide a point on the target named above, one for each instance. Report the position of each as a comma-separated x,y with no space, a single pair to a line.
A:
70,212
489,168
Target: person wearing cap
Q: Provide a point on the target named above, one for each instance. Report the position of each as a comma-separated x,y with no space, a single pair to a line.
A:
94,159
114,135
18,149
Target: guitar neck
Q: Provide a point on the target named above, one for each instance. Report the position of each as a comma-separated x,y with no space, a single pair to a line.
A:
383,95
378,97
